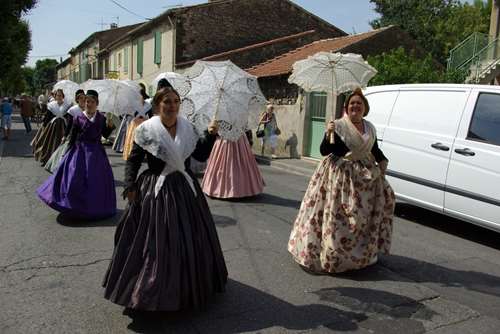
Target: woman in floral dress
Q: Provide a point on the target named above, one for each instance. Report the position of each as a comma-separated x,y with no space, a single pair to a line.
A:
345,219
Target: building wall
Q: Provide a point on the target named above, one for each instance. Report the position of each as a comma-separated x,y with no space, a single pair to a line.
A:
63,73
494,19
214,28
150,69
251,57
118,67
87,57
290,119
384,41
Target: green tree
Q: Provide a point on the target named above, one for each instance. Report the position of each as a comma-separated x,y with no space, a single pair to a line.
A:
437,25
399,67
28,75
45,73
15,41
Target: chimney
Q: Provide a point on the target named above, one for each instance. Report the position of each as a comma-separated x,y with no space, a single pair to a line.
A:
113,26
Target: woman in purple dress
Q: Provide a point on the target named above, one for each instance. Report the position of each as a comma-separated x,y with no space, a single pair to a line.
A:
83,186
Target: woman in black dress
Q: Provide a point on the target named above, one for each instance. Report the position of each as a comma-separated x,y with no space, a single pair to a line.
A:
167,255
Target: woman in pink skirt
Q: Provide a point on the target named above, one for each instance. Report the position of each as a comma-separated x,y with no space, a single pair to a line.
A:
232,171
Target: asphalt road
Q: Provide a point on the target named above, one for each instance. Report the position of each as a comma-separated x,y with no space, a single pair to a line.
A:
443,275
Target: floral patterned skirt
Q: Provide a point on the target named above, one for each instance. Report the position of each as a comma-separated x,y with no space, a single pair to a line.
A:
345,219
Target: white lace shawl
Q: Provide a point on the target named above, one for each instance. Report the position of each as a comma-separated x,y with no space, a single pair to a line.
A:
75,111
152,136
358,146
58,110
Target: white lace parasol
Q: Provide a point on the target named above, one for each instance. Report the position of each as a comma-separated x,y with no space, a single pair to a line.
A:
224,92
69,89
115,96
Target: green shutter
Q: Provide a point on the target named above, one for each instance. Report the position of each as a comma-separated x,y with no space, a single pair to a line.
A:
157,47
81,71
150,93
140,56
125,60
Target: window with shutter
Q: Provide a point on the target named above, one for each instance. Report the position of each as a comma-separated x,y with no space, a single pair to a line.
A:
140,56
157,54
125,60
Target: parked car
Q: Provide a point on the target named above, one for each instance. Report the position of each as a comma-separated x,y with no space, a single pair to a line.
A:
443,144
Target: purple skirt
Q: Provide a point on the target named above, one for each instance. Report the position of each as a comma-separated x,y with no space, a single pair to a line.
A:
83,186
167,255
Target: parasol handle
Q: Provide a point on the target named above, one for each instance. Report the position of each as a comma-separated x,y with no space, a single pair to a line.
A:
331,135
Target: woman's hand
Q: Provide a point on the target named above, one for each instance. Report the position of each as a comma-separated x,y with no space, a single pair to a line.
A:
213,127
330,127
109,122
131,196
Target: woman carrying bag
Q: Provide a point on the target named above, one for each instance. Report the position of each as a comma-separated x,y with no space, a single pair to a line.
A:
271,130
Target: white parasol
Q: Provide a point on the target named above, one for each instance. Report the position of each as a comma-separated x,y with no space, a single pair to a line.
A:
115,96
179,82
224,92
69,89
332,72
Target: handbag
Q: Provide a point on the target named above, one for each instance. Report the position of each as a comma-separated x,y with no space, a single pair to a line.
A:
277,131
259,133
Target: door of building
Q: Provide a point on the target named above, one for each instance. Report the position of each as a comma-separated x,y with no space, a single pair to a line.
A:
317,115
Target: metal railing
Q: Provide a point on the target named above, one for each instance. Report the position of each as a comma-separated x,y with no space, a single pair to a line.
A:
477,54
485,60
465,51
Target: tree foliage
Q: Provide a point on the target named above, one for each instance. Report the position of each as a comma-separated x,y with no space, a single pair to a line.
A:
15,41
437,25
28,75
45,73
399,67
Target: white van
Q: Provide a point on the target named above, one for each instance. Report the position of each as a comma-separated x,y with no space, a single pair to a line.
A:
443,146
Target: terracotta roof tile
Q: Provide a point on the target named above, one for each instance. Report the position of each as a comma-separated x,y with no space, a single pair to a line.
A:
283,64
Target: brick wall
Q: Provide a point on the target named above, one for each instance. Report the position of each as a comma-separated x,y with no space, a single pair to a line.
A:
252,56
221,26
384,41
278,90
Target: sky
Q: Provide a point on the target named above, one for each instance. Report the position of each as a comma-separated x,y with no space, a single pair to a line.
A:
59,25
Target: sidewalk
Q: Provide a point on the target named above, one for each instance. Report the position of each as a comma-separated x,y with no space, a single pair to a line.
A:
304,166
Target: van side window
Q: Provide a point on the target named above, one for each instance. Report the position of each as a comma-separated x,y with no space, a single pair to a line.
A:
381,104
485,124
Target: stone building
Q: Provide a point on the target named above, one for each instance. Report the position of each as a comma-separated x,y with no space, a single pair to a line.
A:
246,31
302,116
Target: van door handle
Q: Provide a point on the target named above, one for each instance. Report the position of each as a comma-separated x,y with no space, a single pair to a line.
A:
441,147
465,151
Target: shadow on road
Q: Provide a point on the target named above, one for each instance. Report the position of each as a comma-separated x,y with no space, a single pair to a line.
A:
448,225
266,198
246,309
409,269
402,310
224,221
68,221
425,272
119,184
